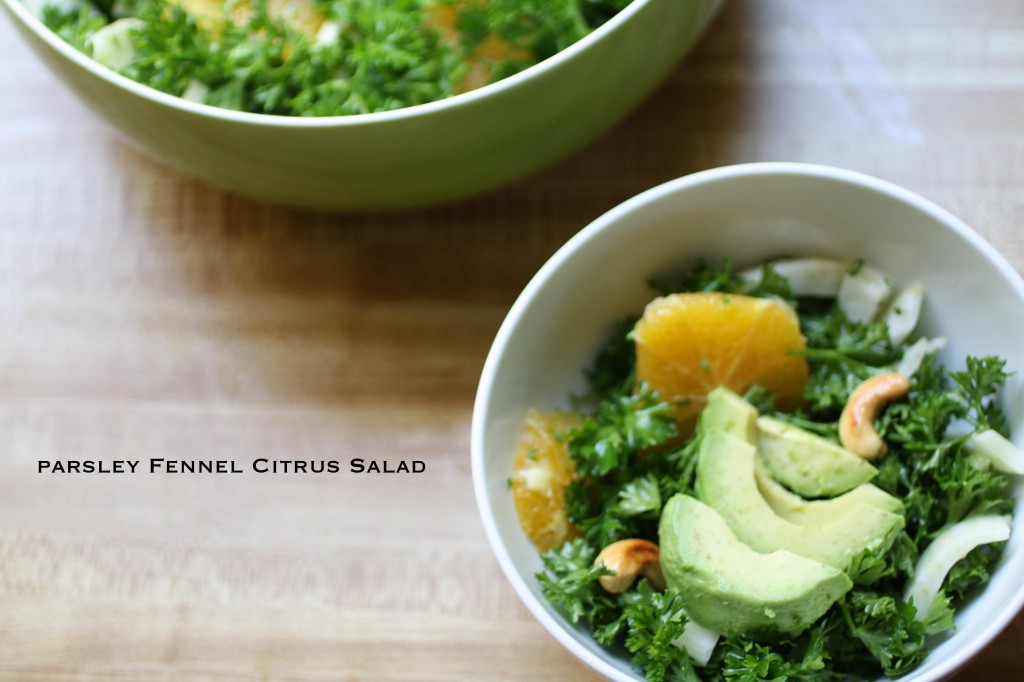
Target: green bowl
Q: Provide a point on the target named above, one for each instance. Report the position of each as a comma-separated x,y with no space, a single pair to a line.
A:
421,155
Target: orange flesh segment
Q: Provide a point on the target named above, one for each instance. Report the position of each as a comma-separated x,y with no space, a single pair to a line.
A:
687,344
540,473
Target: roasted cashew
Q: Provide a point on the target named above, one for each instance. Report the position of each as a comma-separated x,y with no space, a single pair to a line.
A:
627,559
856,425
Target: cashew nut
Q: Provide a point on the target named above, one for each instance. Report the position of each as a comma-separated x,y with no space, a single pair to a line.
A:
627,559
856,424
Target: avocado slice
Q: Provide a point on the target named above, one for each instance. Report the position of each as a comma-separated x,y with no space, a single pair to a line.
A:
797,510
808,464
730,588
727,411
726,481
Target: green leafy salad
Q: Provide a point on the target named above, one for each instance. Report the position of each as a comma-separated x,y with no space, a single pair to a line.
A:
771,477
321,57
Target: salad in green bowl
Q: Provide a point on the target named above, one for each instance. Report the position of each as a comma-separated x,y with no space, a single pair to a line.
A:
321,57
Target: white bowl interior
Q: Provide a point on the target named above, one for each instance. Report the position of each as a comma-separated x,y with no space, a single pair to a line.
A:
749,213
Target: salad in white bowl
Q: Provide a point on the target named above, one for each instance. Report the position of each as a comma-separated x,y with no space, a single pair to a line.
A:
825,540
799,467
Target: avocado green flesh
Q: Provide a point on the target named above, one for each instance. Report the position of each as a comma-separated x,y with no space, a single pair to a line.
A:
797,510
728,587
808,464
727,411
726,481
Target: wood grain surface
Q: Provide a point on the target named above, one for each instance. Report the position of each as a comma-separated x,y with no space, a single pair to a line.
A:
144,314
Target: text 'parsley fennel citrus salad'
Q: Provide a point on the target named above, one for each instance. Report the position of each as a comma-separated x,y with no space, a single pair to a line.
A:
321,57
770,477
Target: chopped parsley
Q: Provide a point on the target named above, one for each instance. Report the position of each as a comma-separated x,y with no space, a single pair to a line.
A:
631,460
325,57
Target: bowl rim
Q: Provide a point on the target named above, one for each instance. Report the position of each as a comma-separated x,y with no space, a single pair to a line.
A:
688,182
21,13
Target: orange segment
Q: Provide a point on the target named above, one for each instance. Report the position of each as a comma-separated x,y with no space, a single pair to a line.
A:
539,475
687,344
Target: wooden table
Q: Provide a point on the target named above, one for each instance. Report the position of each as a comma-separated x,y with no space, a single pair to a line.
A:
145,314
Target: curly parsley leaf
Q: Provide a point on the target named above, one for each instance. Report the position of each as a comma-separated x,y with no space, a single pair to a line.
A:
641,496
887,628
570,582
654,621
973,571
645,621
940,616
803,658
897,561
622,426
978,385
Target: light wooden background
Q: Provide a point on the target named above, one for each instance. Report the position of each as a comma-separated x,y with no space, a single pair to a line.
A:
143,314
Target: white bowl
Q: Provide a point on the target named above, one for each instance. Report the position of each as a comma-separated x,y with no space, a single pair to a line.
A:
749,213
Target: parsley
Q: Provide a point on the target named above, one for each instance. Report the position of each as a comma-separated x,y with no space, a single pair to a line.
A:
925,467
570,582
644,621
630,459
388,55
706,277
898,561
613,369
623,425
654,620
640,496
762,400
625,467
972,571
978,385
887,628
803,658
